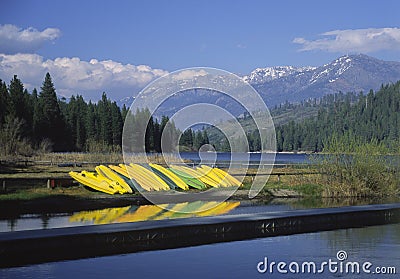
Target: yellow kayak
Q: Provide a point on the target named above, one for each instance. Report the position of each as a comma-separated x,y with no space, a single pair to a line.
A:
100,178
120,169
176,179
197,175
221,181
108,173
150,176
123,172
143,182
232,180
102,185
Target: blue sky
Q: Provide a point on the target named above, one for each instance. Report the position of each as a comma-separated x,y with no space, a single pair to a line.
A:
88,38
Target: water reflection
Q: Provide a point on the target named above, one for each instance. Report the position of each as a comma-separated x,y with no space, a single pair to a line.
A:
153,212
150,212
117,215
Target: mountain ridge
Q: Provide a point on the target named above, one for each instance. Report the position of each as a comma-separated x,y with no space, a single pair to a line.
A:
347,73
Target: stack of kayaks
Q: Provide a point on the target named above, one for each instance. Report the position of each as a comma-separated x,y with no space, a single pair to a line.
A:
123,178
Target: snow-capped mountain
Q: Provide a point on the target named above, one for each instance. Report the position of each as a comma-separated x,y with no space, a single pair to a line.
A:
262,75
348,73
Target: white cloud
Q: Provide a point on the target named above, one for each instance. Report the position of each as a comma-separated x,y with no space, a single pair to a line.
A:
188,74
354,40
16,40
73,76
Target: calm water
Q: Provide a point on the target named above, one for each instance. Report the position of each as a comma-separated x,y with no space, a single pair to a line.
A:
121,215
379,245
137,214
280,158
152,212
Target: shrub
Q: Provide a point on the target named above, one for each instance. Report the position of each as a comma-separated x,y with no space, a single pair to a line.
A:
351,167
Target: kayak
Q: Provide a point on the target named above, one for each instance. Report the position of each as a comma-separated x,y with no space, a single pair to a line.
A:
102,185
172,176
171,184
232,180
140,178
211,174
106,172
197,175
155,181
189,180
124,174
101,178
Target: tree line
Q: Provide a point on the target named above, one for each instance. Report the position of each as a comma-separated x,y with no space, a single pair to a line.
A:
39,120
374,116
43,121
32,121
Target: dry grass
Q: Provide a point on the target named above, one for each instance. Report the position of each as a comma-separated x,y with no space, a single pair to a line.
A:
34,193
47,165
96,158
75,157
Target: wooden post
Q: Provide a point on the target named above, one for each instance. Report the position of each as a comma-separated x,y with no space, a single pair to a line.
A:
4,186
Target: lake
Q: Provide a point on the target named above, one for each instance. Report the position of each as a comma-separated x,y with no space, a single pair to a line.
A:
243,159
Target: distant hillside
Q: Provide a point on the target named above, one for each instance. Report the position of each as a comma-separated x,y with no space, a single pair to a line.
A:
372,117
283,115
307,126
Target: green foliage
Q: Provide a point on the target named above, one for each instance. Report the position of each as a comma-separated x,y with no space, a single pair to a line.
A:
358,168
4,101
49,122
46,122
375,116
192,140
158,136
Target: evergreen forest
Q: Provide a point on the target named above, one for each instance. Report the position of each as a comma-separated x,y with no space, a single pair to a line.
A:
39,120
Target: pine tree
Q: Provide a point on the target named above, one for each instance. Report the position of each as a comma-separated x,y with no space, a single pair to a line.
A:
17,100
124,112
198,140
4,102
105,119
21,106
50,121
117,125
91,123
157,136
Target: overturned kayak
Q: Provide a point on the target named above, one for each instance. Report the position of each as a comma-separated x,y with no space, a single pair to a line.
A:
124,179
96,184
